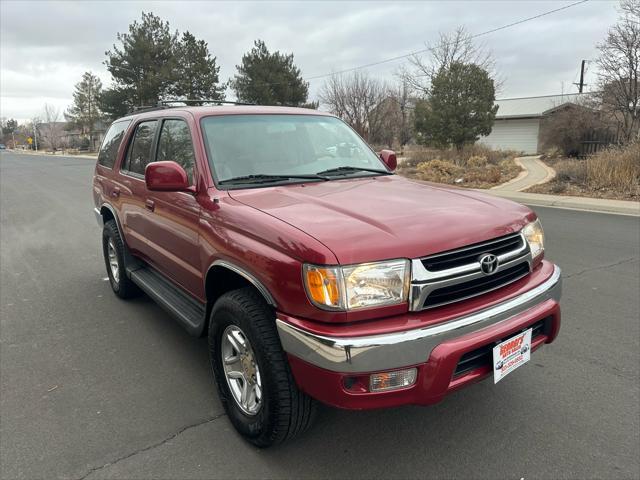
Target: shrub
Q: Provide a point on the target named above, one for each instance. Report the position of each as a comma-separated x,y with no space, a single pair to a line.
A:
574,171
477,161
418,155
438,171
617,168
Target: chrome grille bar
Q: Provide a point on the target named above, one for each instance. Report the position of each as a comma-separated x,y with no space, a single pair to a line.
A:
424,282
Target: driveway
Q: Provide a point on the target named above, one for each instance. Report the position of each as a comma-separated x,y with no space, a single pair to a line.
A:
95,387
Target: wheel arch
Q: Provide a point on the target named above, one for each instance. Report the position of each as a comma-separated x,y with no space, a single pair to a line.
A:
223,276
108,213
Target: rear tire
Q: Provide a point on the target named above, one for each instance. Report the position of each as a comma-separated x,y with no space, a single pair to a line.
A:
283,411
113,251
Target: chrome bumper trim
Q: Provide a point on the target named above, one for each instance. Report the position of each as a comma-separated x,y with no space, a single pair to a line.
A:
99,218
399,349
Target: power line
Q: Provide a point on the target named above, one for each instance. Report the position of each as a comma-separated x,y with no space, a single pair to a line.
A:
424,50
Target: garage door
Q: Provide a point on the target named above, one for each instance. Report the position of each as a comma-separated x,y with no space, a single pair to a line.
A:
520,134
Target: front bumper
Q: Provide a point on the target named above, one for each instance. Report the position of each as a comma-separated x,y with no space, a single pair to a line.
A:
322,363
99,218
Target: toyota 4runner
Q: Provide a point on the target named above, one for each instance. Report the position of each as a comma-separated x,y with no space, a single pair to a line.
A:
316,273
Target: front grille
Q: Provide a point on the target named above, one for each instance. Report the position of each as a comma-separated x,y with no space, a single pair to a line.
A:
483,356
464,256
456,275
477,286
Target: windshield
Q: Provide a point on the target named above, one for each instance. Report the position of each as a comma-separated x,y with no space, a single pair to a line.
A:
285,146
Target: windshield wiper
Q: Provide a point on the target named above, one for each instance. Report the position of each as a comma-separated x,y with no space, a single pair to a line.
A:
346,170
263,178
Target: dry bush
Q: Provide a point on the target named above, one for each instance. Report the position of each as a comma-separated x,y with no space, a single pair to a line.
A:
439,171
423,154
617,168
571,171
612,172
477,161
474,166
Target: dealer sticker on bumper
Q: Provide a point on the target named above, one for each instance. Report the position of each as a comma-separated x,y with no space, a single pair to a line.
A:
510,354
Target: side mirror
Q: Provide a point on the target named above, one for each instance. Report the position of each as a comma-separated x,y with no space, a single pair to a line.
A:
389,158
166,177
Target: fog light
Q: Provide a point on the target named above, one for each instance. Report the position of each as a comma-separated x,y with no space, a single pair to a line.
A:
381,382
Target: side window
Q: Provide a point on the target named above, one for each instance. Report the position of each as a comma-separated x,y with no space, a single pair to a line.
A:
141,146
111,143
175,144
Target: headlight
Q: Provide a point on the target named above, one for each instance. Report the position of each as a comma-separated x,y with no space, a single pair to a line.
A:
358,286
535,237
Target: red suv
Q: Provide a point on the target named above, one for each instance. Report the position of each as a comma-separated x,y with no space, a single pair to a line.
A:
315,272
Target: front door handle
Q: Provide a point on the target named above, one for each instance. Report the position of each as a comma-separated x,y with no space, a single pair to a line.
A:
115,193
150,204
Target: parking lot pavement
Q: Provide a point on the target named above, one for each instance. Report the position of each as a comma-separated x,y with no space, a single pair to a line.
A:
95,387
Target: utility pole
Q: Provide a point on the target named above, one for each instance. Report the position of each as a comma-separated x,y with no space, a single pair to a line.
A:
581,84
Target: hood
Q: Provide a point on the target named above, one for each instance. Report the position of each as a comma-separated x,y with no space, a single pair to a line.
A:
377,218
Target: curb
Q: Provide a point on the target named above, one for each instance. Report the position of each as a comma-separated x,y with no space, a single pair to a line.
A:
620,207
44,154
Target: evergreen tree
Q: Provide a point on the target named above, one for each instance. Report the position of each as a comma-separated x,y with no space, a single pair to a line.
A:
143,66
460,106
85,111
269,78
197,72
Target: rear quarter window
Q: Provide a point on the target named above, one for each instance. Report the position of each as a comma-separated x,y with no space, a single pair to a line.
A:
111,143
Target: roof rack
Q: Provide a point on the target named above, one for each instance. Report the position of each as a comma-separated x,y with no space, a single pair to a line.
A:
163,104
187,101
147,108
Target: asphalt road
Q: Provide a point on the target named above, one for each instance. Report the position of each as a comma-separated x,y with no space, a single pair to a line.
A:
95,387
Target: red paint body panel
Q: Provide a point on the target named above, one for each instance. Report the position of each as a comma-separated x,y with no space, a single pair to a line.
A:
435,376
389,216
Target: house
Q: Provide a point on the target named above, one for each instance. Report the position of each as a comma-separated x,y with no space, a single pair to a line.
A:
517,124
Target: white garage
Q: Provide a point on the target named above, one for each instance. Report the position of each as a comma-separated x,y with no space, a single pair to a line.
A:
520,134
517,125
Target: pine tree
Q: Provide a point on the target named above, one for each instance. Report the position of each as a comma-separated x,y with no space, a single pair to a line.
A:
460,106
197,72
269,78
85,111
143,67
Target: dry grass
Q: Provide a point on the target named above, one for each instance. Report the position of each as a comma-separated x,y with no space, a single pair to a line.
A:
475,166
612,173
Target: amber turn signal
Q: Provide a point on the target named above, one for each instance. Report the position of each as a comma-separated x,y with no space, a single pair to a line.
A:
322,286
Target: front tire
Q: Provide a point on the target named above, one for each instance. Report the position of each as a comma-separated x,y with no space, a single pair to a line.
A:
254,380
113,251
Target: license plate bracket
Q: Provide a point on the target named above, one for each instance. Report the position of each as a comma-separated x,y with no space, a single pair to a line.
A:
511,354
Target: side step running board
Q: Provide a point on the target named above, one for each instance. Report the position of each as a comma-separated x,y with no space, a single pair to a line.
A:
186,309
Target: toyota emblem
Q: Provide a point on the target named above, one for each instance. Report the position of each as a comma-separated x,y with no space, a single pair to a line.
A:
488,263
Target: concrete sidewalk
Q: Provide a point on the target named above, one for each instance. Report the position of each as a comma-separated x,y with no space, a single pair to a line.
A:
534,172
573,203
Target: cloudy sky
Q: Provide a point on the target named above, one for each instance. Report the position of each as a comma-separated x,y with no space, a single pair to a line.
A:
45,46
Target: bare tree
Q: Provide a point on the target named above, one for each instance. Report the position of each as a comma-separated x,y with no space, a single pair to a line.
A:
619,68
454,47
356,99
51,129
394,125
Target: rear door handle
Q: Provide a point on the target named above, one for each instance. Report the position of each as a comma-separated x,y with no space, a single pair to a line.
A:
115,193
150,204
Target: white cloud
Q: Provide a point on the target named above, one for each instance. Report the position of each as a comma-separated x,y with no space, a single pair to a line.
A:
46,46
